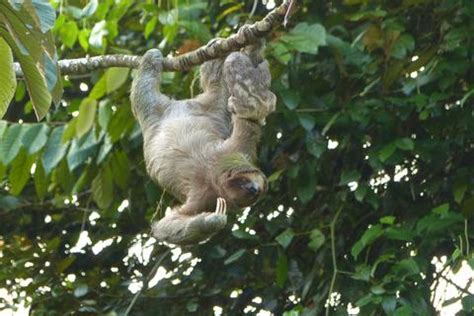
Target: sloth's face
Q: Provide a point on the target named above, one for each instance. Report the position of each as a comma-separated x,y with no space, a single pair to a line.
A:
245,188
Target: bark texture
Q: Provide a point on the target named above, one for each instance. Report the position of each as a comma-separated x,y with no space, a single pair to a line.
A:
246,35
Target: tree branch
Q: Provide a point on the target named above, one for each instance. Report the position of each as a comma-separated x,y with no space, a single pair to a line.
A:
246,35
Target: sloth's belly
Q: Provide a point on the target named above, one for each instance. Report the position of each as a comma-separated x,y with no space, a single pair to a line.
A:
179,151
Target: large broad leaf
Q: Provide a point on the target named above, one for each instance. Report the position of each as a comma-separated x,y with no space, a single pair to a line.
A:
41,180
285,238
305,38
55,149
20,172
81,150
235,256
281,270
86,116
7,78
120,166
26,26
42,12
317,239
10,143
35,137
102,188
115,78
369,236
35,81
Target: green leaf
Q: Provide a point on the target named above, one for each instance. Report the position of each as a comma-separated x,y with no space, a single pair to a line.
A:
467,208
307,183
104,150
281,270
3,127
369,236
40,180
285,238
349,176
468,303
235,256
62,176
406,267
105,113
83,38
35,80
35,137
65,263
150,26
405,143
81,290
305,38
69,33
8,77
102,188
459,190
442,209
45,13
86,116
90,8
10,143
192,306
364,300
317,239
388,220
377,289
115,77
97,34
291,98
315,147
120,166
389,304
404,45
399,233
361,192
275,176
81,150
121,122
307,121
69,131
20,172
387,151
55,150
3,170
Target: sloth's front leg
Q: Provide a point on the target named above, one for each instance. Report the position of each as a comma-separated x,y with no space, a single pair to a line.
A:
182,229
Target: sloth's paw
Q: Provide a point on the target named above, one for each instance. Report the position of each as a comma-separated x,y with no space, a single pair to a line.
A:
153,59
217,220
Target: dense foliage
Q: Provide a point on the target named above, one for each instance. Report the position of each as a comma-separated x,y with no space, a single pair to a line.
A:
369,155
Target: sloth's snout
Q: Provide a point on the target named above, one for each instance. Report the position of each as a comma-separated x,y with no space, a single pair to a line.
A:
252,188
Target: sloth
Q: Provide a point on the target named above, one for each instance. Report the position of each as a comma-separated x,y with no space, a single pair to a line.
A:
203,150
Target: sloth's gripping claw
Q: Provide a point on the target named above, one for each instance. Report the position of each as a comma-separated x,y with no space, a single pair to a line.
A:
217,220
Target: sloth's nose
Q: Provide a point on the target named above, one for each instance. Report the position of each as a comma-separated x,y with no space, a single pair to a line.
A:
252,188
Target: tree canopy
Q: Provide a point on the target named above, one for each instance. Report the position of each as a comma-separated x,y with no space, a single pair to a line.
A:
370,159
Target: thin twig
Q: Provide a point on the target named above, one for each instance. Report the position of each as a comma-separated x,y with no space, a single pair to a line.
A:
246,35
146,280
333,255
458,287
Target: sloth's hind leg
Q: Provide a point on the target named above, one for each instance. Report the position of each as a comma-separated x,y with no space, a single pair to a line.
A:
180,229
249,87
